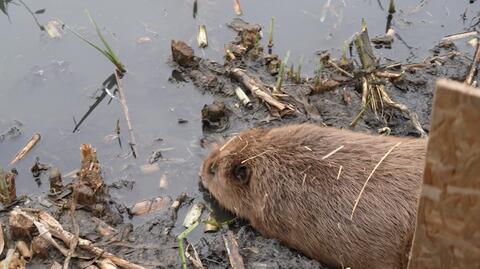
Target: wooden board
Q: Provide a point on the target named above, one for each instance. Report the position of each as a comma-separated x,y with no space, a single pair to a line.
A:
448,222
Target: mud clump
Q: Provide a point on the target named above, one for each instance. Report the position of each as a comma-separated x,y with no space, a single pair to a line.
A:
215,117
182,54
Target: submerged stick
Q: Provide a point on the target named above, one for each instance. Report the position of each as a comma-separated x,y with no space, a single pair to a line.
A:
369,176
255,89
123,102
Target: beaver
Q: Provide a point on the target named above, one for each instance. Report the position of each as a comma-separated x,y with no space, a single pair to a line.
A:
307,186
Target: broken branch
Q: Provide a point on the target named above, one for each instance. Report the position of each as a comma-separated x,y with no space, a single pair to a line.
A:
255,89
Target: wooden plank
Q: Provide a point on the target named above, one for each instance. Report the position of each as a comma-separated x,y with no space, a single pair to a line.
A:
448,221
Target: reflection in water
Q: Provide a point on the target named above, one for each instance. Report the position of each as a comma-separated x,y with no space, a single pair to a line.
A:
108,85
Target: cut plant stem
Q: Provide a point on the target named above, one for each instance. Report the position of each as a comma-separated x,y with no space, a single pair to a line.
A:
181,249
270,33
237,8
202,37
364,49
298,74
391,7
123,103
281,74
243,97
195,8
343,59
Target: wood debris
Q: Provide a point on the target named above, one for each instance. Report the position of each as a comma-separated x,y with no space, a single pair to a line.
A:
231,244
26,149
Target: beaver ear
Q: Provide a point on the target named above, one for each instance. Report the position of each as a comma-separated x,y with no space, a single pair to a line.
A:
241,173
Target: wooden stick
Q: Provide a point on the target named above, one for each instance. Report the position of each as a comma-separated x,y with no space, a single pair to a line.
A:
255,89
23,152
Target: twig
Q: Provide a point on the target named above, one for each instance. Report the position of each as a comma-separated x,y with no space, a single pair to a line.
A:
123,102
473,67
369,176
413,116
332,152
26,149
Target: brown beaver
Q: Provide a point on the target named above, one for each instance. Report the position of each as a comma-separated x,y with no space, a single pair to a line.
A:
299,184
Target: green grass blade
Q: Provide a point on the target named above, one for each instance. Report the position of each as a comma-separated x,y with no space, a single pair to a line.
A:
87,41
113,57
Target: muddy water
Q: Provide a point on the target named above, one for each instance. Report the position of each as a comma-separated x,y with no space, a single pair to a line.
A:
46,82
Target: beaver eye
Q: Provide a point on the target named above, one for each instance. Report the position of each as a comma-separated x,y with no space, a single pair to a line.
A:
241,173
212,168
